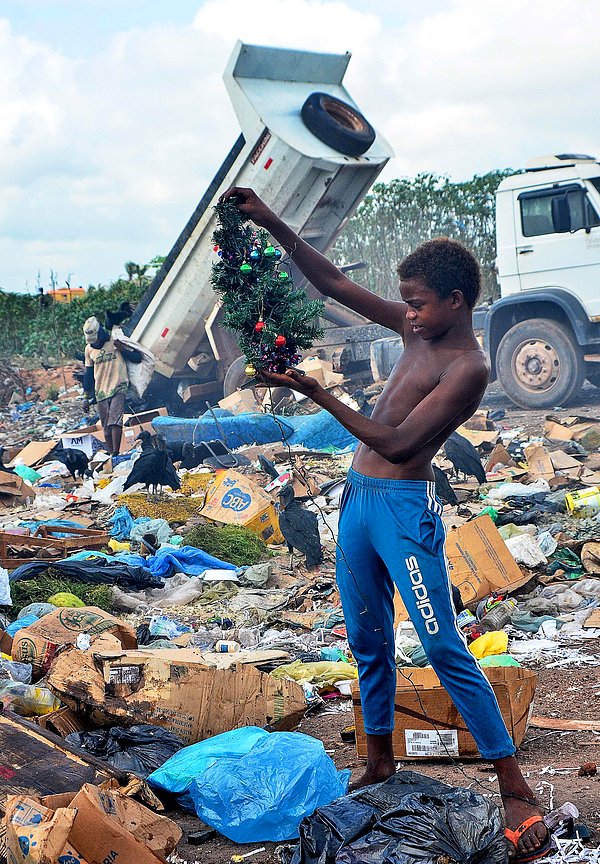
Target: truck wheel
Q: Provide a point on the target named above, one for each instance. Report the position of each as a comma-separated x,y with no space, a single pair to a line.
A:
337,124
539,364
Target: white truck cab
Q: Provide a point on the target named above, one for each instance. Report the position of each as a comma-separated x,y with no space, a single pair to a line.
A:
543,335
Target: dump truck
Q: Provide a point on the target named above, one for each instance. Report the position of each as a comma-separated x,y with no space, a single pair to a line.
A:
309,152
543,334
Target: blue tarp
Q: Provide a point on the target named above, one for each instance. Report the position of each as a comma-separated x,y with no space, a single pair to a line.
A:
318,431
167,561
238,430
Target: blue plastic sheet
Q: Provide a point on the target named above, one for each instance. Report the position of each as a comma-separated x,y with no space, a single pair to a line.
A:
265,794
17,625
237,430
33,524
178,772
121,523
169,560
321,431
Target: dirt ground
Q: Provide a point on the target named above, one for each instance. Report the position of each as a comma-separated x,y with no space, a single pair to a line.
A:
550,759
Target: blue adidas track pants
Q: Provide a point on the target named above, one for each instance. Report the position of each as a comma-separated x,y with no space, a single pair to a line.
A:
391,532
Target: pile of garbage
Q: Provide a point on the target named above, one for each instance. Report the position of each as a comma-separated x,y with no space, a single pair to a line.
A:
177,637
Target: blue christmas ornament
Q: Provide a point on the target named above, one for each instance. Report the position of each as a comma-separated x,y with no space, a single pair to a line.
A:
277,254
255,255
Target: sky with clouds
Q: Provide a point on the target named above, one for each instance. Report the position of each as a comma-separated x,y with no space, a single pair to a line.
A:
114,117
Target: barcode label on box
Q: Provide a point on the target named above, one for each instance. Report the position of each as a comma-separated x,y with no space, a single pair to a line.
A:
428,742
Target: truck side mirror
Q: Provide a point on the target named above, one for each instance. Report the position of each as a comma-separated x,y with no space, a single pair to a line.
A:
561,215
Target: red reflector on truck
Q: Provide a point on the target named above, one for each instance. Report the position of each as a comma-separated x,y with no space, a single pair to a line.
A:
164,333
268,163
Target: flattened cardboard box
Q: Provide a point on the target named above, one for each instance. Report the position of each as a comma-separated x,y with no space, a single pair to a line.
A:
427,724
479,563
93,826
173,689
39,643
235,500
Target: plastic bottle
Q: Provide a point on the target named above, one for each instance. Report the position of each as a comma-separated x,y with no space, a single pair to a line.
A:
498,616
227,647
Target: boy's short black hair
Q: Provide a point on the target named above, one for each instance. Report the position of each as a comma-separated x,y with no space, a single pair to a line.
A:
444,266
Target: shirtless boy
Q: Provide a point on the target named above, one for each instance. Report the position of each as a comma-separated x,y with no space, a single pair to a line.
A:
390,529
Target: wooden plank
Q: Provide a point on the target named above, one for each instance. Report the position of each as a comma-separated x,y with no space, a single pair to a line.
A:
34,758
565,725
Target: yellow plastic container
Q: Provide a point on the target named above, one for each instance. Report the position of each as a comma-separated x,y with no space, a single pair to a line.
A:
584,503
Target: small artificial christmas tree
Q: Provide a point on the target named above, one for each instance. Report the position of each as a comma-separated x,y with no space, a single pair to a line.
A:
274,321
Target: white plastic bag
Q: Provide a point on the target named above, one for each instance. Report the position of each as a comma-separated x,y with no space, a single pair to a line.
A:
139,374
5,598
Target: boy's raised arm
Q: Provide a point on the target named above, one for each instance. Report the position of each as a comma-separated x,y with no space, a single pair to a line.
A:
319,271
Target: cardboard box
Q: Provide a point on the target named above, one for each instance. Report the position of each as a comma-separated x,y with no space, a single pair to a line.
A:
539,461
33,453
241,402
14,490
174,689
234,499
89,439
422,716
322,370
93,826
586,430
479,563
133,424
39,643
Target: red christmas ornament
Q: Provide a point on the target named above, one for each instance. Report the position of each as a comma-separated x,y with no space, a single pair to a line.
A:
280,341
259,326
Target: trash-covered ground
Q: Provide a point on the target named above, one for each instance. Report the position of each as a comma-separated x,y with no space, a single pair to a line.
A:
183,614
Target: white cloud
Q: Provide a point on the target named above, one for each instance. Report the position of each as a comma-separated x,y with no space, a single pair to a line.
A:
105,157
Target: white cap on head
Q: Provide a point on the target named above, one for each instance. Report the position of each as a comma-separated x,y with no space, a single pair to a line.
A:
91,328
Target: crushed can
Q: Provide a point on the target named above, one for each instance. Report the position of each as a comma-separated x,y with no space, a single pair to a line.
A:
584,502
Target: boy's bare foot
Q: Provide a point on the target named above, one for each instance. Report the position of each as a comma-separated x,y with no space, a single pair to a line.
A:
380,762
374,773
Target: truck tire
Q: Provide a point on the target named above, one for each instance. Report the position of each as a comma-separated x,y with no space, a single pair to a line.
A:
539,364
337,124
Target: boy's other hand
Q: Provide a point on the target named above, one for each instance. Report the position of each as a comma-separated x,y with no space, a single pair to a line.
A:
290,378
248,203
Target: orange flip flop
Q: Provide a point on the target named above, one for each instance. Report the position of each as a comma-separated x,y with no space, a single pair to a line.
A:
514,837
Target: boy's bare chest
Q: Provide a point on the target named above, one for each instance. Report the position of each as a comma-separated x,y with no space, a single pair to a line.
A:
414,376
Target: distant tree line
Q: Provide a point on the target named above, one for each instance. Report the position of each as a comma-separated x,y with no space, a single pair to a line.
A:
35,325
396,216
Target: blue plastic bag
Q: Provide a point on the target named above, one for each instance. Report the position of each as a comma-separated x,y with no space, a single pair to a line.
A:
178,772
266,793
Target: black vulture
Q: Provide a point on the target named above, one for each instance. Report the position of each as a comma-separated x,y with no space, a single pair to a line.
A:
113,319
173,448
3,466
300,527
75,460
153,467
191,457
443,489
464,457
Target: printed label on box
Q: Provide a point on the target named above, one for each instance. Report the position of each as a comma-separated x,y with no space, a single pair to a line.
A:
429,742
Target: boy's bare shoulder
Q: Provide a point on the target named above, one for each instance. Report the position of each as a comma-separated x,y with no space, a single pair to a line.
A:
472,364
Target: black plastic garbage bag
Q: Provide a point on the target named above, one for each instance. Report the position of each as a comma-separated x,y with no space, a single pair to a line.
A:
409,819
137,750
93,571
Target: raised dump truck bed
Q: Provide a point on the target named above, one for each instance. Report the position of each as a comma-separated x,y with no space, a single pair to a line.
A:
313,179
